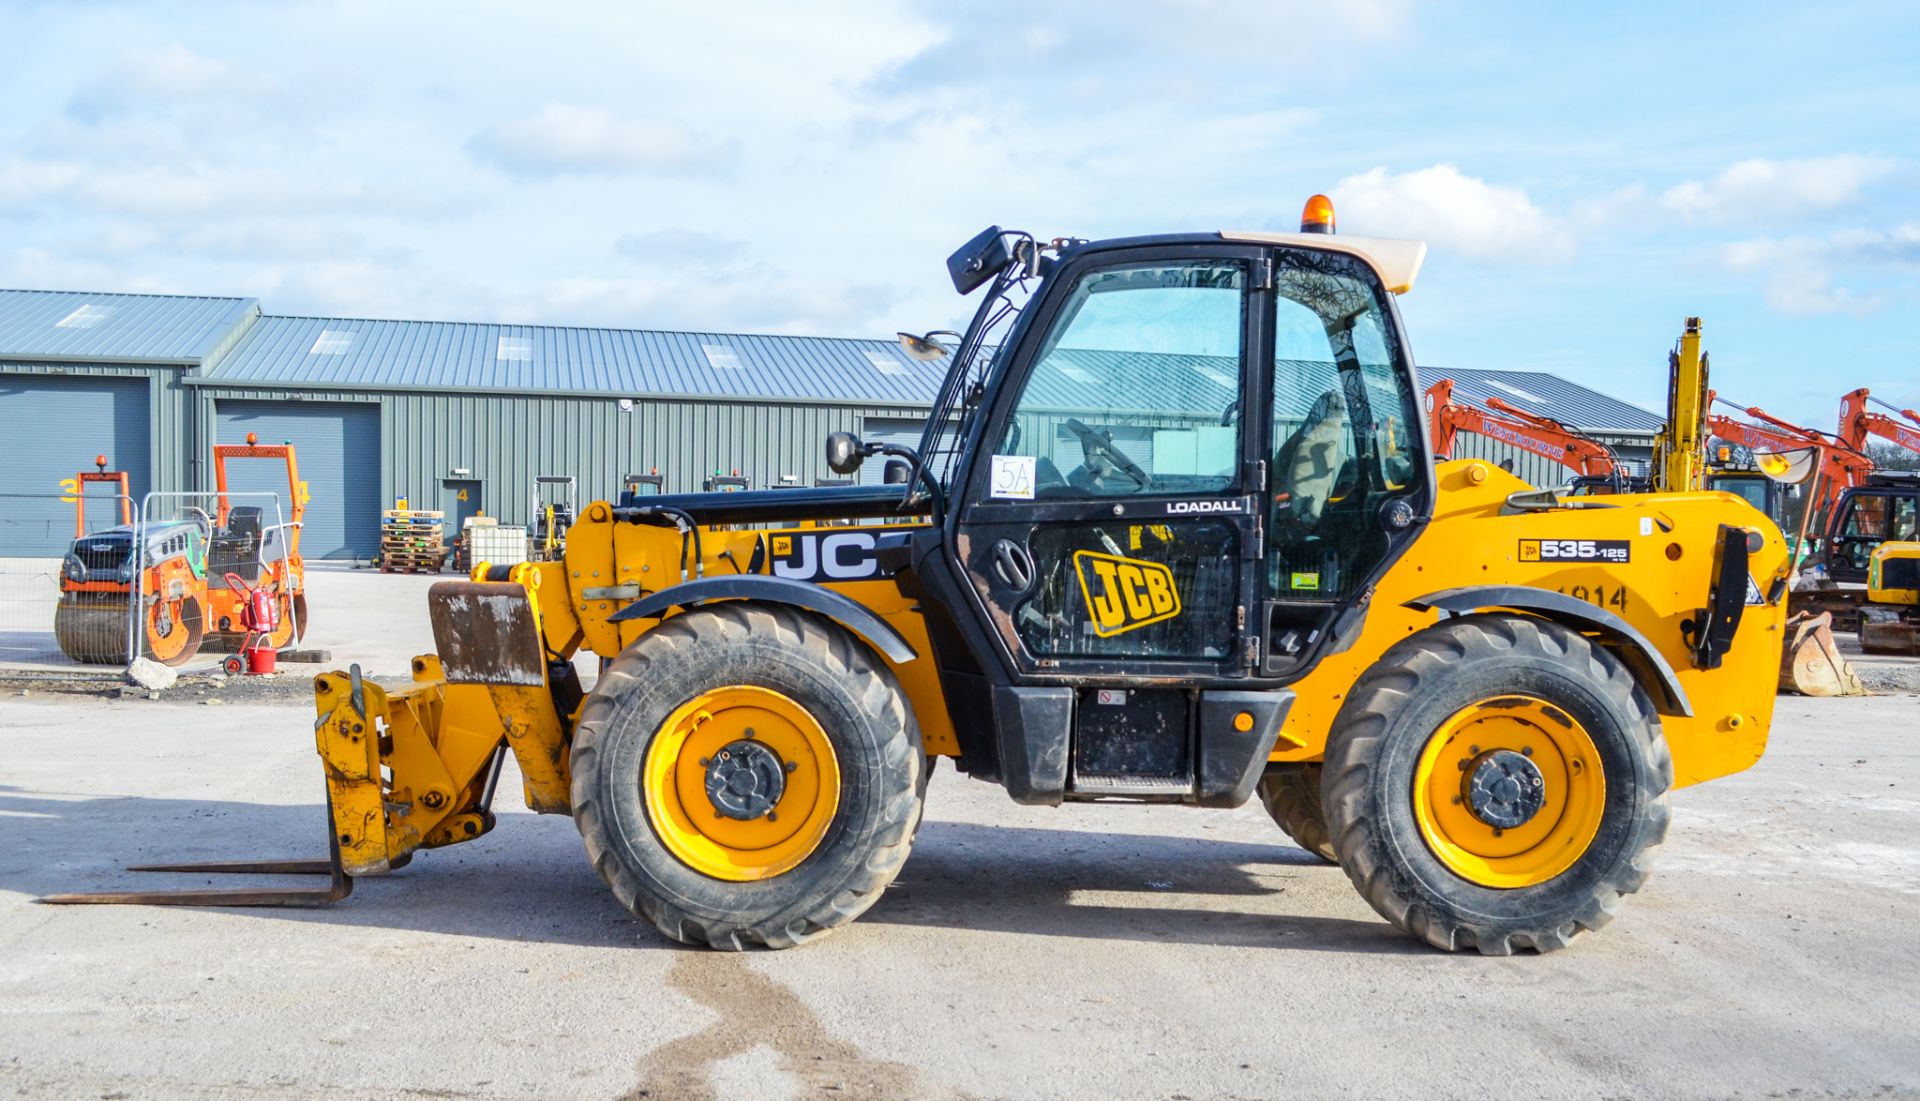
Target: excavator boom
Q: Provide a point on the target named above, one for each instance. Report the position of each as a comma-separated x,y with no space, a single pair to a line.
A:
1857,423
1530,432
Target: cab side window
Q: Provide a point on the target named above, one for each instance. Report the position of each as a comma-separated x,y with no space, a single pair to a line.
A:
1342,427
1136,388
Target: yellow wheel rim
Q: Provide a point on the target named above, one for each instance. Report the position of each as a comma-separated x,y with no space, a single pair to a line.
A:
688,749
1565,773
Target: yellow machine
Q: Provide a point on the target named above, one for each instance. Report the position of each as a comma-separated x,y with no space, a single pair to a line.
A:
1183,546
1890,619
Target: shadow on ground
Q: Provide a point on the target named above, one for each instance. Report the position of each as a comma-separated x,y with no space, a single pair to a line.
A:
528,879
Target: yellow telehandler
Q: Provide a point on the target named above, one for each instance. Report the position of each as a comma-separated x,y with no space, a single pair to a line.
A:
1171,535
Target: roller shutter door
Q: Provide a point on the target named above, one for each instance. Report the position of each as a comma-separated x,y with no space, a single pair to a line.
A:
337,445
50,429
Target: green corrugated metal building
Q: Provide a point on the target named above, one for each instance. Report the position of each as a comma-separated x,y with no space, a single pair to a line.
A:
462,416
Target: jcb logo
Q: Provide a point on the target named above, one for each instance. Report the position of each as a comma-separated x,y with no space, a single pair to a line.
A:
1124,593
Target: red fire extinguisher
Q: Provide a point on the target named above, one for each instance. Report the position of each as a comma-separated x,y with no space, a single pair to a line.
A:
259,617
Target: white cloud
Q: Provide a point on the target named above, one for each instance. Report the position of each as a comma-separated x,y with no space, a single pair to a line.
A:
1760,190
1802,274
1452,211
678,246
563,138
148,78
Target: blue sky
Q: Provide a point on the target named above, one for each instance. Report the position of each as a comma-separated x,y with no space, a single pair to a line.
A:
1587,175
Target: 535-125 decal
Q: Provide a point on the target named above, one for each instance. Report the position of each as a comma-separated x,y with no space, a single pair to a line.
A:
1576,550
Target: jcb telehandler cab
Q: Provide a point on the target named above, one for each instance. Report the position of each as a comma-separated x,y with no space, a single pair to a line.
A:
1177,539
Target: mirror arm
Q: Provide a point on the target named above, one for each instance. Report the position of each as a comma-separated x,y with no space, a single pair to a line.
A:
920,473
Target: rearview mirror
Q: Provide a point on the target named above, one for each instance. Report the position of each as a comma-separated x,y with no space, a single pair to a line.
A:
898,472
844,452
979,260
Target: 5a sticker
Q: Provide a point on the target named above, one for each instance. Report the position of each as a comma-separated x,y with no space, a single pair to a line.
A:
1125,593
1576,550
1011,477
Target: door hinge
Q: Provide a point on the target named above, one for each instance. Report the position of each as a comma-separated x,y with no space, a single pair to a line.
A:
1263,274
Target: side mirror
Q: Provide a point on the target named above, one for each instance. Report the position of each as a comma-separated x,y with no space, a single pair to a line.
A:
844,452
898,472
979,260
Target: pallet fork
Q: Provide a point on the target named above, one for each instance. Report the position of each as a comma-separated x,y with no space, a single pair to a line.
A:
340,887
416,767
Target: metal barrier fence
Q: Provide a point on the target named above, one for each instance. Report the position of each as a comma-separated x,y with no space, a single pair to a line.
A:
51,614
206,553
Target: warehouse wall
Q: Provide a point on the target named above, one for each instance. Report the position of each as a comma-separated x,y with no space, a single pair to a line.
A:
504,440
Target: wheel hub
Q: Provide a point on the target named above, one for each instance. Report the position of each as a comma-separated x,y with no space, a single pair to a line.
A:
1504,789
745,780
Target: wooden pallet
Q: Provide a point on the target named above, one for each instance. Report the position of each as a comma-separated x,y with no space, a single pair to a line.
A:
411,540
413,562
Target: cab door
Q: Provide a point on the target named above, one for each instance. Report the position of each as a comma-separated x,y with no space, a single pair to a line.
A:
1109,522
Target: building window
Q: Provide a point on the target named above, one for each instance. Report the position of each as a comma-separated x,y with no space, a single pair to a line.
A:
86,317
332,342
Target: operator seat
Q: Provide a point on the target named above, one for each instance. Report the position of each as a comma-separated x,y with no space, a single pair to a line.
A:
1310,461
236,547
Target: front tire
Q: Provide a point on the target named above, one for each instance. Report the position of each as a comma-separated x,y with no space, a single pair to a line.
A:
1497,782
747,774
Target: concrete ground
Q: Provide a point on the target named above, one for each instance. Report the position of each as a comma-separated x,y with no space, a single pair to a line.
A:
1024,952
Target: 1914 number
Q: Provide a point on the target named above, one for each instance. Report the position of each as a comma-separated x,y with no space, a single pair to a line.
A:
1600,596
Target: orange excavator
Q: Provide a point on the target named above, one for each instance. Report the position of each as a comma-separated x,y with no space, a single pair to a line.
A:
1593,461
1839,466
1878,507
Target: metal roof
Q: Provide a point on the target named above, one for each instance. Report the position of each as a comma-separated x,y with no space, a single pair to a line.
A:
249,348
1539,392
77,327
463,356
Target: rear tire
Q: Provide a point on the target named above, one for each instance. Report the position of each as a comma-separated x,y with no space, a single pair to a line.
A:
1480,670
735,650
1292,796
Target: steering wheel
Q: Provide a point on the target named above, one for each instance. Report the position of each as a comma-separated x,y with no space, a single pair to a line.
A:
1316,458
199,516
1103,458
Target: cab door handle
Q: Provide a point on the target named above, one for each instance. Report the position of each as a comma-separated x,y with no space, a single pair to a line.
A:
1012,565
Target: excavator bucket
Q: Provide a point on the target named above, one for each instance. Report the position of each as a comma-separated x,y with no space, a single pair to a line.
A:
1811,663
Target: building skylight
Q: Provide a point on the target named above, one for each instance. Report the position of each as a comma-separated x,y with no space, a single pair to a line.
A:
886,364
1517,392
86,317
721,357
332,342
515,349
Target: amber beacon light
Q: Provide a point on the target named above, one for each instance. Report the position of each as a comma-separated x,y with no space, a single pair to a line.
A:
1318,215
